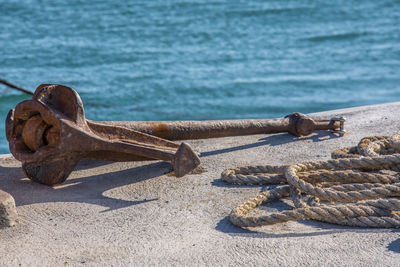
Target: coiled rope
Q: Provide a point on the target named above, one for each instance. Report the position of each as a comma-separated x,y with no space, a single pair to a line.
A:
359,187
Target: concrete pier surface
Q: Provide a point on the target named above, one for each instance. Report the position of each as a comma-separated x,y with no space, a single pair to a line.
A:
135,213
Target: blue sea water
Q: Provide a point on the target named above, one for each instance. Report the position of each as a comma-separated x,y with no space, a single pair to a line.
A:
194,60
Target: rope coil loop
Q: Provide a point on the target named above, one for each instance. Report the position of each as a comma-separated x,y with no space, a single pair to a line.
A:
352,190
371,146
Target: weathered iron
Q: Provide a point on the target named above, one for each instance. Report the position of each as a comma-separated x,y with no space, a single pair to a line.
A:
296,124
50,134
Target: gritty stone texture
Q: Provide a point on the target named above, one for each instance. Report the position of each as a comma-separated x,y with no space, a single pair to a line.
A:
8,212
135,213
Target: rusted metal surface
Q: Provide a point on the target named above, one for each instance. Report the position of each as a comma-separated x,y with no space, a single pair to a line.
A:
50,134
296,123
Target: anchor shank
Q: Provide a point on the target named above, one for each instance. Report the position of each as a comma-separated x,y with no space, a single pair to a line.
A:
184,130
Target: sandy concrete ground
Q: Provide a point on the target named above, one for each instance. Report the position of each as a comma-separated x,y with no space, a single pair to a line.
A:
136,214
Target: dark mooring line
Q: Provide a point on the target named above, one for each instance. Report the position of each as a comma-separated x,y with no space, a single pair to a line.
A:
15,87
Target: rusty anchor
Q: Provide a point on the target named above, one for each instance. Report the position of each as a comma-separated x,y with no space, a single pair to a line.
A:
49,134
